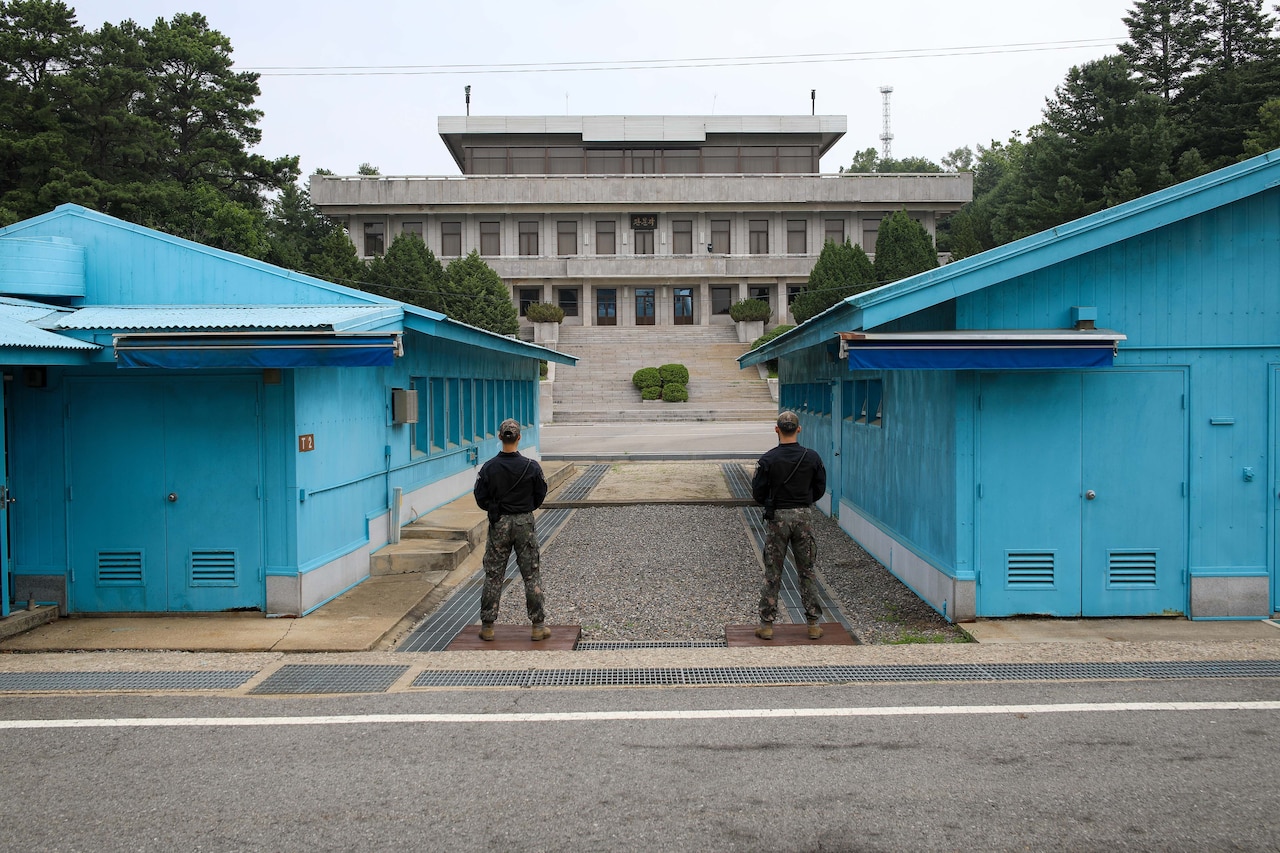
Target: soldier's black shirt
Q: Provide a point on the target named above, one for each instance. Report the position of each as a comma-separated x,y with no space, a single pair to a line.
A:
494,484
807,485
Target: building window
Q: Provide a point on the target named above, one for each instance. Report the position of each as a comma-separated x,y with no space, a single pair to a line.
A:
488,161
490,238
528,296
796,243
566,238
644,242
606,237
375,234
758,233
565,161
567,299
759,160
644,161
761,292
604,162
528,238
451,239
870,231
793,290
528,161
414,228
720,236
835,231
868,402
682,237
721,299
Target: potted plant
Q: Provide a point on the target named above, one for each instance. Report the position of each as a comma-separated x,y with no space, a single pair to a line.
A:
546,319
750,315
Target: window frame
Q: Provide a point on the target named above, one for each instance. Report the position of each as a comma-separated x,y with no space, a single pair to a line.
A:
566,237
610,229
757,236
527,231
490,238
450,235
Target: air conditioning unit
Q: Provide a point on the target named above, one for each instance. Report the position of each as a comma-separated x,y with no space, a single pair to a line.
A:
404,406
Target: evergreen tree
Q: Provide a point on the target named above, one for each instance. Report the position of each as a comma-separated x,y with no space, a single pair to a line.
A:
1239,32
903,248
841,270
1166,42
479,298
409,272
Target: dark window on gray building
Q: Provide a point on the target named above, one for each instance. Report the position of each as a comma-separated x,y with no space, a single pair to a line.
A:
451,239
528,238
835,231
566,238
682,237
490,238
375,238
644,242
606,237
758,234
720,236
528,296
796,243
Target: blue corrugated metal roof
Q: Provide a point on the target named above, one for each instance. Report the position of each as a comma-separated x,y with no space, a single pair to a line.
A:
873,308
206,317
17,331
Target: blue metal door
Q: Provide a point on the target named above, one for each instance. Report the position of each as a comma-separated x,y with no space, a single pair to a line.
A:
1082,498
4,502
115,509
1134,524
165,509
1028,494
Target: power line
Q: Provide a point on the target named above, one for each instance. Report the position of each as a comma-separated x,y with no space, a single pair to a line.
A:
697,62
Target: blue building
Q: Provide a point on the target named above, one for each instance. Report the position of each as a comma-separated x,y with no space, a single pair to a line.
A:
1081,423
190,430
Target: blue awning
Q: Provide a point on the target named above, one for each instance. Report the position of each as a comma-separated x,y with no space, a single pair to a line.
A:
178,352
980,350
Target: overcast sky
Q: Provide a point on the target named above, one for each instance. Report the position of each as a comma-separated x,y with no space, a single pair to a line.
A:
348,83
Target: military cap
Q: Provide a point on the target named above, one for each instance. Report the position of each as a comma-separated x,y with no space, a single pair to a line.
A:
510,430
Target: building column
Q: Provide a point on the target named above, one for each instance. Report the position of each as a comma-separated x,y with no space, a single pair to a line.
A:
588,304
704,304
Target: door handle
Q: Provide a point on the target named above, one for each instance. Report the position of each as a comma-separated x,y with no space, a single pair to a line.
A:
173,497
5,500
1090,494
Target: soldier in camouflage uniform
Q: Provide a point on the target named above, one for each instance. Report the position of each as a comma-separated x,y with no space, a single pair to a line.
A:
788,480
510,487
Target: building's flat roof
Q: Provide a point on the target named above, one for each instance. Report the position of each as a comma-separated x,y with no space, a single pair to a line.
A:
640,129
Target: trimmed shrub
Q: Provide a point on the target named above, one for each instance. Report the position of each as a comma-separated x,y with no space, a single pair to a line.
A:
542,370
772,364
543,312
675,393
647,377
677,373
651,392
750,309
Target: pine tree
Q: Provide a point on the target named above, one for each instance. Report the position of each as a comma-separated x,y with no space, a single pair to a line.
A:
1166,42
841,270
903,248
479,298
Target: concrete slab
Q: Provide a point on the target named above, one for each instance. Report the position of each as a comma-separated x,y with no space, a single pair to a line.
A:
1173,629
785,634
515,638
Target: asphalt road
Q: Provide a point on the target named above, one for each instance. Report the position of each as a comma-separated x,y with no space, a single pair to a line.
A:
871,767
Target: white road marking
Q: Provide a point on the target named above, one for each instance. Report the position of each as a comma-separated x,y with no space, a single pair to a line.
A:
609,716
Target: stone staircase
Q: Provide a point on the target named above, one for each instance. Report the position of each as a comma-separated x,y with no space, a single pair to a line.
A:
599,388
442,540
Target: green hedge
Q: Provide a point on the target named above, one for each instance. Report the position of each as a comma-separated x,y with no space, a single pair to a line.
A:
750,309
675,392
647,377
652,392
677,373
543,312
771,364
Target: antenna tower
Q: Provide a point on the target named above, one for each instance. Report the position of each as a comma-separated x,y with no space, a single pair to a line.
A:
886,138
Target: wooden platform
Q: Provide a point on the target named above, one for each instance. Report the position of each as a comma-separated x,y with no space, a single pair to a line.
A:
833,634
515,638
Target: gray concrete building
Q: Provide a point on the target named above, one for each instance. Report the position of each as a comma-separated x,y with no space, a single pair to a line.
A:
638,220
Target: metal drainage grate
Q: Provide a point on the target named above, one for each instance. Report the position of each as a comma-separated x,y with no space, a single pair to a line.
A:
331,678
702,676
583,483
624,645
32,682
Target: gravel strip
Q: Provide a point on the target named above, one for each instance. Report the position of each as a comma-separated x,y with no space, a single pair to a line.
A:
622,574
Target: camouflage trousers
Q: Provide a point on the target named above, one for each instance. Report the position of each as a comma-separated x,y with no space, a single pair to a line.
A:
794,528
507,533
